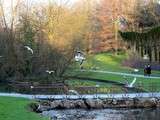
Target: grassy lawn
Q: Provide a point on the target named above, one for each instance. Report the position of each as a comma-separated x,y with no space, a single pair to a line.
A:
16,109
102,88
105,61
111,62
146,82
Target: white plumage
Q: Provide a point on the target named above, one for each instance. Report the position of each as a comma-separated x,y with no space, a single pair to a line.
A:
29,49
97,85
49,71
132,83
79,58
73,92
136,70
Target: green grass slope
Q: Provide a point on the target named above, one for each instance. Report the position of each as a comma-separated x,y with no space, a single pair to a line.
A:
16,109
112,62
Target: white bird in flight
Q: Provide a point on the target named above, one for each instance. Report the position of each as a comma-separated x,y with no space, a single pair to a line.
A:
97,85
132,83
29,49
136,70
73,92
50,71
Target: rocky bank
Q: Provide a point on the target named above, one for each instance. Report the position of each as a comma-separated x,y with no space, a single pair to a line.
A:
46,105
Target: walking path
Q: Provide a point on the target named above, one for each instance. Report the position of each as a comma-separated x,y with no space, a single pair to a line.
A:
125,95
120,73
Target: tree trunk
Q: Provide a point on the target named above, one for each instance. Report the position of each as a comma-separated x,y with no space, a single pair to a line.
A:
155,53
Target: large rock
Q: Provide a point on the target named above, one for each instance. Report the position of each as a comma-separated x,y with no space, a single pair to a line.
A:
106,104
145,102
56,104
120,103
94,103
98,103
129,103
80,104
45,102
158,103
42,108
68,104
114,102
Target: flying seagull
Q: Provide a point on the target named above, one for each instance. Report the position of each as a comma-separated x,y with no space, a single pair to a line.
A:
29,49
132,83
31,87
97,85
74,92
136,70
49,71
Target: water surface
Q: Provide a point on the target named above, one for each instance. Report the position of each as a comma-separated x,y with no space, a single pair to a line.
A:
105,114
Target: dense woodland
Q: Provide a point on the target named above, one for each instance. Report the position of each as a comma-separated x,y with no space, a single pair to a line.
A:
144,38
55,31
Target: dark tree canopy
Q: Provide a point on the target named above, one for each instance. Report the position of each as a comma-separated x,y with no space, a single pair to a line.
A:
145,42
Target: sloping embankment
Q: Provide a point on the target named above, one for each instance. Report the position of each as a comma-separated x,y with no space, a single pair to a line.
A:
96,103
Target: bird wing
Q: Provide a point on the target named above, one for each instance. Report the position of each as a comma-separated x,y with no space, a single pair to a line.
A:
28,48
134,80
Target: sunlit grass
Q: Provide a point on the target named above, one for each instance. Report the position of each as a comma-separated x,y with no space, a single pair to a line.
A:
112,62
109,58
106,61
102,87
17,109
147,83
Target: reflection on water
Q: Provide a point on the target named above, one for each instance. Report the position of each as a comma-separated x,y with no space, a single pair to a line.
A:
106,114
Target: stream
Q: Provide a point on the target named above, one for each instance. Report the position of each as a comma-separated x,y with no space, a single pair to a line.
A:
104,114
